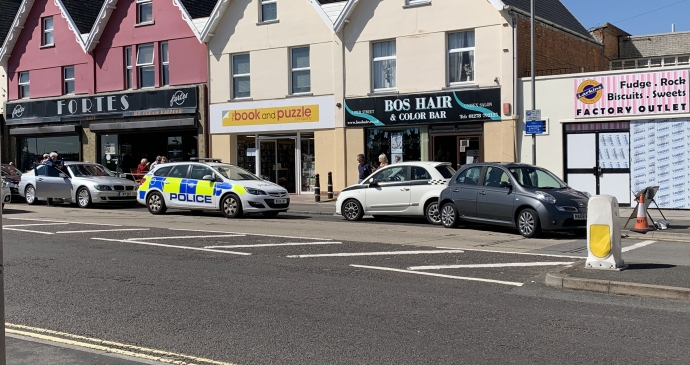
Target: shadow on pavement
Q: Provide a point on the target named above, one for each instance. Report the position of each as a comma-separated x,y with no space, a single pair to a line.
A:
649,266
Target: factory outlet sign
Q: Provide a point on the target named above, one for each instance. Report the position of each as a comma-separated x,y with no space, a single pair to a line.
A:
430,108
101,106
649,93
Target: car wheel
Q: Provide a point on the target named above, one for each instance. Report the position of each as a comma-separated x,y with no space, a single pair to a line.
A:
449,215
270,214
352,210
83,198
231,206
432,213
156,203
30,195
528,223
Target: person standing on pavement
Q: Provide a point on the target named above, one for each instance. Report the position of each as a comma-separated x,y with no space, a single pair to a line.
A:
364,168
383,160
158,160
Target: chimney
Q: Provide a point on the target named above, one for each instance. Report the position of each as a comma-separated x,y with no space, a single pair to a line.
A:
673,28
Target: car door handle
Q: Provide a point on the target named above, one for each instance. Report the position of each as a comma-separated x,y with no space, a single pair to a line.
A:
482,192
166,182
456,190
405,189
40,179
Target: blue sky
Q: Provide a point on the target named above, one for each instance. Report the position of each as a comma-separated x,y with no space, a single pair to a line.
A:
595,13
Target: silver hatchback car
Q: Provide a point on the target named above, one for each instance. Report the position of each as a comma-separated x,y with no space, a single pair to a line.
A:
515,195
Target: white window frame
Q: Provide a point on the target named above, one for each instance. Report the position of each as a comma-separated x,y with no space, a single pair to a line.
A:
66,80
459,50
295,69
249,75
417,2
385,58
47,31
24,94
634,63
129,70
262,19
141,66
165,63
140,4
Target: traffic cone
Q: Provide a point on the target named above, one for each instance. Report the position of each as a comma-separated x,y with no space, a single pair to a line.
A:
641,225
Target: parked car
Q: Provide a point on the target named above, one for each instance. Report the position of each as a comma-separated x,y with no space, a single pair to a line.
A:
82,183
208,184
518,195
11,175
401,189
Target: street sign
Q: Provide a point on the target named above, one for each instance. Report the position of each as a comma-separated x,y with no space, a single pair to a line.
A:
532,115
534,127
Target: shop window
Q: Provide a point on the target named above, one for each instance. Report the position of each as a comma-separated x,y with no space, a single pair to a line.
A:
246,153
384,69
24,85
461,57
300,69
68,80
47,39
144,11
128,68
269,10
398,145
165,65
240,76
146,72
31,149
308,163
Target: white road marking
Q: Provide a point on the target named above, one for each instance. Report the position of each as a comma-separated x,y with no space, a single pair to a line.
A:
278,244
183,237
637,245
26,230
476,266
106,230
251,234
33,224
519,253
438,275
45,220
108,346
384,253
172,246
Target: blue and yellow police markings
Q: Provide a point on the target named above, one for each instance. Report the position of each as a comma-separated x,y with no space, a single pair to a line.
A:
188,190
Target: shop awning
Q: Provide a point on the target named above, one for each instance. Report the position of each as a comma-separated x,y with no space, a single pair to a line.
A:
143,124
53,129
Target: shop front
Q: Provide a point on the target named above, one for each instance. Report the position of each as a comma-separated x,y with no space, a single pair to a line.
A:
116,130
275,139
441,126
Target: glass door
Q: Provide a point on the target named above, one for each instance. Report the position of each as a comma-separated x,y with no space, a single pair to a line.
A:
469,150
277,162
267,160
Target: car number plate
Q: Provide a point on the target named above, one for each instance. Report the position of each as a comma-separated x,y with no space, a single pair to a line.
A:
125,193
280,201
580,216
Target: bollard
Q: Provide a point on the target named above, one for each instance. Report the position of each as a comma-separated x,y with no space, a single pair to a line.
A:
603,234
317,189
330,185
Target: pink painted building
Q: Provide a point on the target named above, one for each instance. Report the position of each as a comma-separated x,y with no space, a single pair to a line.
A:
107,81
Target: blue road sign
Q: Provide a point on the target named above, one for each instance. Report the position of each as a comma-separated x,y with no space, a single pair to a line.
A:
534,127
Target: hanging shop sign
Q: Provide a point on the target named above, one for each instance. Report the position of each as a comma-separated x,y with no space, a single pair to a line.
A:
102,106
649,93
431,108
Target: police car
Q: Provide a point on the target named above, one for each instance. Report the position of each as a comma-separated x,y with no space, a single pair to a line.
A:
208,184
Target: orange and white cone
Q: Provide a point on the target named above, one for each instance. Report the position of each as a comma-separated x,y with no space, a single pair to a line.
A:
641,225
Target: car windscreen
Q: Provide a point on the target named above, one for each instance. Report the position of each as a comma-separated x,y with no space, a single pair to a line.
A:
446,171
89,170
235,173
536,178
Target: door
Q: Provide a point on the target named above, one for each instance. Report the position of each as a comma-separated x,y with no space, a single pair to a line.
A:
390,192
464,191
176,186
267,160
469,150
493,201
419,187
277,162
49,183
201,190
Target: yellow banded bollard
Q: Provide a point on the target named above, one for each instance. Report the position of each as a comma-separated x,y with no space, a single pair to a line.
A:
603,234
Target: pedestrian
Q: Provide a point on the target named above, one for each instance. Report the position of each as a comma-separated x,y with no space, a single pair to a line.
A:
164,159
45,158
143,166
11,163
383,160
364,168
158,160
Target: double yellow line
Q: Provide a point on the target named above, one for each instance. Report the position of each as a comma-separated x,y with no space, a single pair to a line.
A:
109,346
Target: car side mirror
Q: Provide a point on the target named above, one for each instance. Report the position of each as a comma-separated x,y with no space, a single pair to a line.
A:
373,184
506,184
208,178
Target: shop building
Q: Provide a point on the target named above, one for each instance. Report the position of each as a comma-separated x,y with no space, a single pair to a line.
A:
107,81
8,9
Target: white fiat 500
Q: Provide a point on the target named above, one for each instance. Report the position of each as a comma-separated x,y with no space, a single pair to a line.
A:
401,189
210,185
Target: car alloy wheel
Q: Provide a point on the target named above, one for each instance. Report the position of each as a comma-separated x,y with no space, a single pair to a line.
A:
449,216
155,203
232,206
83,198
432,213
352,210
528,223
30,195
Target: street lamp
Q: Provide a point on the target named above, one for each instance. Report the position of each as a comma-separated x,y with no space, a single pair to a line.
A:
534,86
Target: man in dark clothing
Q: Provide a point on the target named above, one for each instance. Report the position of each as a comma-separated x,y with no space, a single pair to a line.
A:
364,168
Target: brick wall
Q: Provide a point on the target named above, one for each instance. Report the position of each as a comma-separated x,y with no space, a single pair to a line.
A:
557,52
655,45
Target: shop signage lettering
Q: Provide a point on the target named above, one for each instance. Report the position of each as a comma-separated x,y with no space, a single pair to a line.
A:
632,94
138,103
277,115
446,107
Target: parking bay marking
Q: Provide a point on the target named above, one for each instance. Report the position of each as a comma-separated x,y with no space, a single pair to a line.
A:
519,253
437,275
32,224
106,230
637,245
478,266
172,246
278,244
183,237
384,253
26,230
251,234
51,221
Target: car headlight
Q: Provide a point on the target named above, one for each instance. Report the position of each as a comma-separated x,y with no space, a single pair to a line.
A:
255,191
545,197
103,187
5,184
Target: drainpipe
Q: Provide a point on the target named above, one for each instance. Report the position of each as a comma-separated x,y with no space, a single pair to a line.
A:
515,87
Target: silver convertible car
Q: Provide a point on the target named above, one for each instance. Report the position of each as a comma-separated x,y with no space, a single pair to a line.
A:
82,183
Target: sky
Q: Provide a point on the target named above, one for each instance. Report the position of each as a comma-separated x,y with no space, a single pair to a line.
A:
633,16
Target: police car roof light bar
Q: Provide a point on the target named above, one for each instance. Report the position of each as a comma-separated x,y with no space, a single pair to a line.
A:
202,159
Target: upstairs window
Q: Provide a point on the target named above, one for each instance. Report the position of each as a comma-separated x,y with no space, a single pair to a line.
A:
384,65
301,72
417,2
144,11
24,85
128,68
47,32
145,71
269,10
241,86
68,80
461,57
165,64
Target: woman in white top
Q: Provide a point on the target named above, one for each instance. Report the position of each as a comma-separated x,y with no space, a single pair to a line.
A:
383,160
